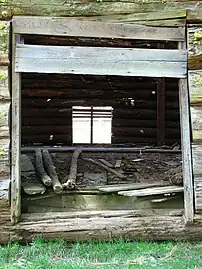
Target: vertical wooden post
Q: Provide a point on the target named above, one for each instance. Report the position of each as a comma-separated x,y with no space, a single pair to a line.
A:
186,146
91,125
16,139
161,109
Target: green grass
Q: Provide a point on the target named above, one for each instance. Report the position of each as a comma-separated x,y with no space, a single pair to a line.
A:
113,255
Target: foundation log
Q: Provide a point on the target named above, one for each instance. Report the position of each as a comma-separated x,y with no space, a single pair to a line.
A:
70,181
47,181
57,187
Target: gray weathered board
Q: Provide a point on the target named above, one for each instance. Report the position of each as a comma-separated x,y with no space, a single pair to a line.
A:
152,191
101,61
78,27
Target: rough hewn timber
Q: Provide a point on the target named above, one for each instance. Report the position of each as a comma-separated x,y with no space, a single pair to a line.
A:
94,8
4,87
195,47
195,91
4,42
85,229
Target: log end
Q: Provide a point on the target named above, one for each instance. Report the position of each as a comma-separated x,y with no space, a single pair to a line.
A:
69,185
58,189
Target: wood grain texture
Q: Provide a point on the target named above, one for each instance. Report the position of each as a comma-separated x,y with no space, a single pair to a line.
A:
186,146
92,8
4,42
198,192
4,85
16,140
101,61
195,47
74,27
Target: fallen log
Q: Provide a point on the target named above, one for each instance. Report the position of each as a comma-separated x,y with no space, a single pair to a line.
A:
50,168
108,169
44,177
70,181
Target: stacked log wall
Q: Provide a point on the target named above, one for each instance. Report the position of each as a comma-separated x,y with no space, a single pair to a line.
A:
195,87
4,125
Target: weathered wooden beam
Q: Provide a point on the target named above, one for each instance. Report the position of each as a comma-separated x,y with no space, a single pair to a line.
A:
47,181
73,27
186,147
162,9
152,191
50,168
101,61
16,139
84,229
70,180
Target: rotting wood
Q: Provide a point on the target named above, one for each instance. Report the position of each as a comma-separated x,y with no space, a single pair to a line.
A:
106,163
16,139
50,168
44,177
70,180
95,61
110,170
103,214
152,191
124,187
73,27
79,229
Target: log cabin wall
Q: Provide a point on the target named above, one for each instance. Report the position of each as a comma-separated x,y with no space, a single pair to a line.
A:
195,88
155,13
4,124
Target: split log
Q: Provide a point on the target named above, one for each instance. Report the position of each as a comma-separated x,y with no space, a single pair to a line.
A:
47,181
70,181
152,191
108,169
48,163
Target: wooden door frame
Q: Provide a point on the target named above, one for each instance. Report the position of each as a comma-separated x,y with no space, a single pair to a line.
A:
16,127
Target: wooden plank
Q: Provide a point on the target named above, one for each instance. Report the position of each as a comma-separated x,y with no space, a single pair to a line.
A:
186,147
16,141
4,42
152,191
98,53
101,61
196,120
124,187
104,214
75,27
195,47
4,89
